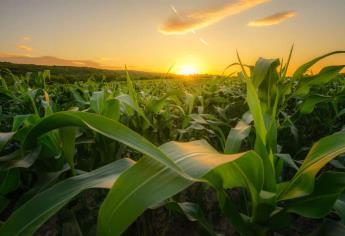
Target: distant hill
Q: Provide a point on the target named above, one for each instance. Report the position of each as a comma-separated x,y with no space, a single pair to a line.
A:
71,73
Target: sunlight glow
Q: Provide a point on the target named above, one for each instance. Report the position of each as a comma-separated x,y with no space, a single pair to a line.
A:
188,70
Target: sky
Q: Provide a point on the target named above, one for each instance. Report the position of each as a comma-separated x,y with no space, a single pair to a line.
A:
199,36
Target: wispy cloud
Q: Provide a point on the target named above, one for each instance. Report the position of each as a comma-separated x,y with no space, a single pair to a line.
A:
182,23
24,47
26,38
273,19
203,41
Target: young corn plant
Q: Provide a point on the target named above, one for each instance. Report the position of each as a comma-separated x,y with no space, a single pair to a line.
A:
275,198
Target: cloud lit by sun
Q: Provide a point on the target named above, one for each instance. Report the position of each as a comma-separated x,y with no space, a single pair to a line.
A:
273,19
187,22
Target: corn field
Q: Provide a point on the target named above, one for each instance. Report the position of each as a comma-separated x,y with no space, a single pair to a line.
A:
259,153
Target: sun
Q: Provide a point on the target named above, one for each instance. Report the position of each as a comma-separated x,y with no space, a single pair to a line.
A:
188,70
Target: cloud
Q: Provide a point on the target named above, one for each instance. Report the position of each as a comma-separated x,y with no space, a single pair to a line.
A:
273,19
26,38
182,23
203,41
24,47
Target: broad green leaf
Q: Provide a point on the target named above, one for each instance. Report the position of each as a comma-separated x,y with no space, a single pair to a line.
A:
236,136
23,120
324,76
287,159
189,103
31,215
102,125
78,98
67,136
261,69
112,109
17,160
310,102
328,187
325,150
44,180
157,105
128,101
255,108
270,183
265,78
97,101
149,182
246,172
302,69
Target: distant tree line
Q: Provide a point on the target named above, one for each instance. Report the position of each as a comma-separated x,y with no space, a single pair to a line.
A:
69,74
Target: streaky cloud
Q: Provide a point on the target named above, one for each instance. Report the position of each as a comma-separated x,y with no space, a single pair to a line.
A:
24,47
182,23
273,19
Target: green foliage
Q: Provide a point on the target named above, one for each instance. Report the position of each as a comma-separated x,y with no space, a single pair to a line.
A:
249,136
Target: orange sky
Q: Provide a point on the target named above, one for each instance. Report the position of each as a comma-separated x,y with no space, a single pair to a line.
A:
196,36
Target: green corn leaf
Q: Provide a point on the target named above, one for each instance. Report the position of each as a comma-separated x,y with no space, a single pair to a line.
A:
328,187
236,136
286,66
156,105
324,76
325,150
303,69
149,183
287,159
256,110
16,160
262,68
97,101
310,103
102,125
128,101
67,136
189,103
112,109
32,214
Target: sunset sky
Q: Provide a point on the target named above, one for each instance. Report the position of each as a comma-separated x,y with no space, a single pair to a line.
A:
198,36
